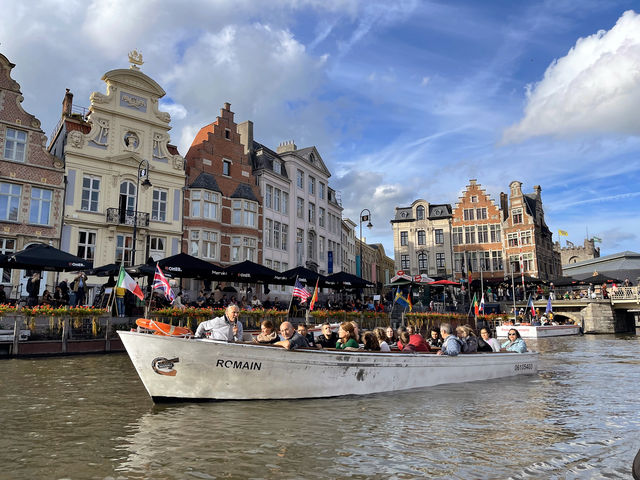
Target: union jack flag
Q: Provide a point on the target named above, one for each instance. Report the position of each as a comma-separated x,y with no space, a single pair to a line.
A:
300,292
160,282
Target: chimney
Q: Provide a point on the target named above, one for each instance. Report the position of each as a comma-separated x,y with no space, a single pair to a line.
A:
227,106
504,205
287,146
67,103
245,130
537,190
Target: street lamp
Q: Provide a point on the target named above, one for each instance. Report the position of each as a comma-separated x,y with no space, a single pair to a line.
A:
364,218
143,171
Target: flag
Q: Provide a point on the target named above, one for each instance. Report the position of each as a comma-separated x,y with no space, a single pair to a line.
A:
481,307
549,309
475,304
300,292
400,298
530,305
410,302
563,233
161,283
596,240
125,281
314,297
470,272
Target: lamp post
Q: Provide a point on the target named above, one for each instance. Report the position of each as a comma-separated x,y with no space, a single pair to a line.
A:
364,218
143,171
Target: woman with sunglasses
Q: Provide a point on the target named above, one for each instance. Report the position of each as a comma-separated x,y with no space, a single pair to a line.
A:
515,343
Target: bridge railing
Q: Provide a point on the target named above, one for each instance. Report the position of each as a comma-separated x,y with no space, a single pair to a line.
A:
625,294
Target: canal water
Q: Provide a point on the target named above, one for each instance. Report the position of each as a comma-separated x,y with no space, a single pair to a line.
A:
89,417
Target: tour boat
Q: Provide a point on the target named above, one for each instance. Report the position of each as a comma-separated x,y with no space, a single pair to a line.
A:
538,331
185,368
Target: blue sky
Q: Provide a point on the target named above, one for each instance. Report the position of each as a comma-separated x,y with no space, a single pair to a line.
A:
404,100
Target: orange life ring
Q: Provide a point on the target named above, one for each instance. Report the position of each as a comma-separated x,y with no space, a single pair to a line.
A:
160,328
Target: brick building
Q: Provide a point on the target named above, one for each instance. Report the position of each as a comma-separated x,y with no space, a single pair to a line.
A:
31,182
476,232
223,204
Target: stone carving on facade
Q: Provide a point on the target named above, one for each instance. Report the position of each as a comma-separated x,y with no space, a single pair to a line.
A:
76,139
131,141
135,58
178,162
134,102
164,116
102,136
97,97
160,145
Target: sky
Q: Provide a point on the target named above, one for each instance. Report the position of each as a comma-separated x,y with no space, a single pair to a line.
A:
404,100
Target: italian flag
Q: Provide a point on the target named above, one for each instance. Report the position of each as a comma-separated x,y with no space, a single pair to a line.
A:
125,281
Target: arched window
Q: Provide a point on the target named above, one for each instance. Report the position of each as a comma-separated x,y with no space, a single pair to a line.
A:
420,213
423,265
127,195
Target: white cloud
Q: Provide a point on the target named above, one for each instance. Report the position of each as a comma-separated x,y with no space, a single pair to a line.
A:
595,88
177,111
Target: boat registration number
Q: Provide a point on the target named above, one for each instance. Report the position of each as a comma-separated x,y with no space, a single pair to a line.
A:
520,367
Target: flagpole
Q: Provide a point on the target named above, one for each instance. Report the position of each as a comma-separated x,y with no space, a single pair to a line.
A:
513,292
481,270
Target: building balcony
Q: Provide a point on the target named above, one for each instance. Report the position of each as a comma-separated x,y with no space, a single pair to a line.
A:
120,216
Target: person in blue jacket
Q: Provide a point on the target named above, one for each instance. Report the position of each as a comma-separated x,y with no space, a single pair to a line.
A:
515,343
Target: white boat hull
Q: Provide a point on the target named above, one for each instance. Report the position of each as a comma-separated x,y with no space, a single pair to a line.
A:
534,331
173,368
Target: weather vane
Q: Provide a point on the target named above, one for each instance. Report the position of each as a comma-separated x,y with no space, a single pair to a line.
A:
135,59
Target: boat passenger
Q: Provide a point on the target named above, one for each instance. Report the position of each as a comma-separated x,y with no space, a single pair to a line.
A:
328,338
290,338
450,344
415,339
515,343
486,340
382,339
392,338
268,334
356,331
303,330
370,341
346,340
434,340
404,344
468,339
220,328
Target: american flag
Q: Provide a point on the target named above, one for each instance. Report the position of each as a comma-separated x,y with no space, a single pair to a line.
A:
300,292
161,283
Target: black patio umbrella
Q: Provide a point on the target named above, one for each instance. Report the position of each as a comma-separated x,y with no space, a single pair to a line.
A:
45,257
184,265
566,281
105,270
599,279
527,279
303,274
251,272
347,280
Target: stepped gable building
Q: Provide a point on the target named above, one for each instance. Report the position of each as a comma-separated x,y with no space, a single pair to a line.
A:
527,239
422,239
31,181
476,233
123,198
223,206
574,254
302,213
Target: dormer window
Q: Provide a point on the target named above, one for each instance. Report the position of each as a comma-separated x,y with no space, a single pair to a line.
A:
277,167
420,213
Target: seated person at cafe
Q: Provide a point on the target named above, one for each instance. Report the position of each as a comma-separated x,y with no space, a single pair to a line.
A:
3,294
47,298
328,338
290,338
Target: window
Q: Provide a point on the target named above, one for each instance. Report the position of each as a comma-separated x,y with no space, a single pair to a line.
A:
321,216
423,264
276,234
40,206
512,239
268,197
276,266
485,261
312,185
268,232
209,244
244,213
516,213
7,246
458,261
86,244
156,247
494,232
422,237
285,203
300,179
194,244
9,201
440,263
248,249
159,206
404,262
90,193
527,260
312,213
124,247
226,168
468,213
285,237
300,207
439,236
321,188
236,249
483,233
469,235
404,238
277,167
474,199
457,236
276,200
227,134
420,212
481,213
525,237
15,145
514,260
127,196
311,246
496,258
321,243
205,204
